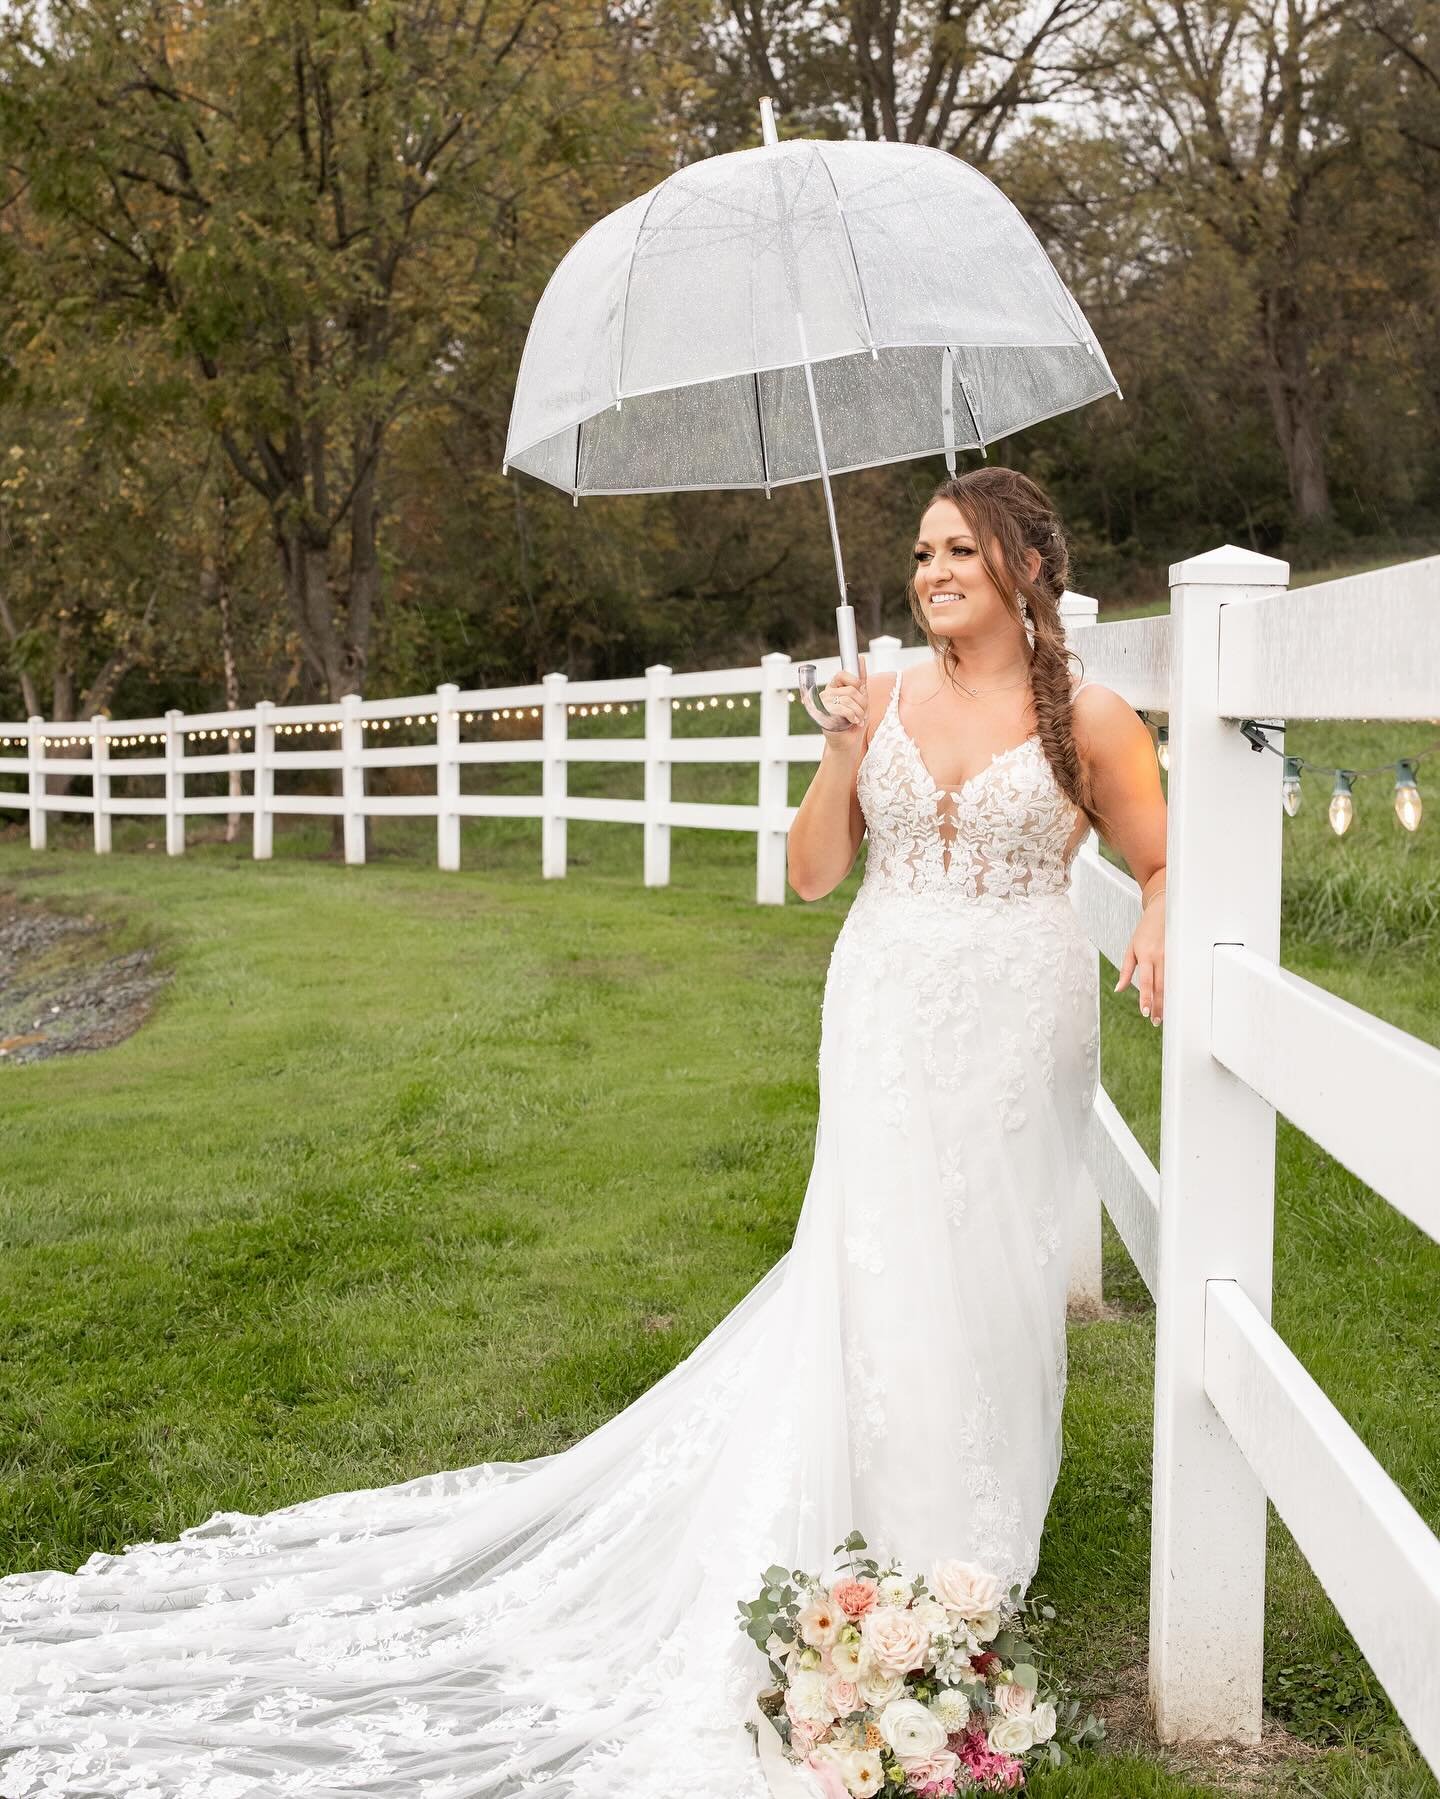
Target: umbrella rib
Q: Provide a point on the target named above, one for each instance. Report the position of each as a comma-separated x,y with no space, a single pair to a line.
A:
760,422
625,309
854,259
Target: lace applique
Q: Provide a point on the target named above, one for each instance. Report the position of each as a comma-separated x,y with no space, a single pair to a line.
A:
1007,832
864,1401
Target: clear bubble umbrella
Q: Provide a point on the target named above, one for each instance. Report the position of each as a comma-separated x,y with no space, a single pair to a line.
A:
794,312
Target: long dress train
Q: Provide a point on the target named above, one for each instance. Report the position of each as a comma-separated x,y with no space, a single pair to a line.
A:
567,1626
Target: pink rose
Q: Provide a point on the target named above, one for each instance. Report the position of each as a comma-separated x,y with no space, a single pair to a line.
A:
897,1640
1012,1699
966,1587
804,1734
842,1695
934,1770
856,1597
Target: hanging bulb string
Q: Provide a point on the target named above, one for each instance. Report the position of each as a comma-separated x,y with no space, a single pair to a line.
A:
1255,734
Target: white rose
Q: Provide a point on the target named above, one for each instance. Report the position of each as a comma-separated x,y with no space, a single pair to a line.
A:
878,1688
894,1589
985,1626
1042,1721
966,1587
863,1772
952,1708
807,1698
911,1728
1012,1736
896,1639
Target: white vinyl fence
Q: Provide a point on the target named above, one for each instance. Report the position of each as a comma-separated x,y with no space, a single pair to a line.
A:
1237,1418
264,742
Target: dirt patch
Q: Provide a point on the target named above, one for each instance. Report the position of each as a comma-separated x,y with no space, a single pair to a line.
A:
63,990
1121,1697
1081,1309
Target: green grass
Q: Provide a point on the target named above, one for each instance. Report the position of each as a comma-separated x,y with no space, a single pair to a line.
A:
411,1171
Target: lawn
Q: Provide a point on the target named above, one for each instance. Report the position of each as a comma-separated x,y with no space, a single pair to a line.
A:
411,1171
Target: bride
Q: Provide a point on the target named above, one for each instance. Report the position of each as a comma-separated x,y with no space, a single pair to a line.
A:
568,1626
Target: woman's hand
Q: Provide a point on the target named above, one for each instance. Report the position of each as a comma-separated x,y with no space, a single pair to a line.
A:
847,696
1145,959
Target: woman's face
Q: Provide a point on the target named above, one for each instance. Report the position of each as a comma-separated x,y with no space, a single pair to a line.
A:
959,598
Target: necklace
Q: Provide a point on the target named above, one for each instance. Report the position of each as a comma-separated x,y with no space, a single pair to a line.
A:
977,693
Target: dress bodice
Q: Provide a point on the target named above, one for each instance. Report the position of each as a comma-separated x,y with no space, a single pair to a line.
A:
1008,831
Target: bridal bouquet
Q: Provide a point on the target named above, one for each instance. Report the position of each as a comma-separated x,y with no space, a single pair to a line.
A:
886,1684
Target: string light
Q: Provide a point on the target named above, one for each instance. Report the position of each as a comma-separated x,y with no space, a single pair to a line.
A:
1342,801
1408,805
1290,794
1407,795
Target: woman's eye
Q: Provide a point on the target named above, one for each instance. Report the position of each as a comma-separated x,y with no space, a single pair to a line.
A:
920,555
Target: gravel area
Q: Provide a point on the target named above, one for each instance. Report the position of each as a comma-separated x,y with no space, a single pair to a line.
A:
61,992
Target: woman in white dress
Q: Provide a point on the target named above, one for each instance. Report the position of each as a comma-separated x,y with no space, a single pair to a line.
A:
568,1626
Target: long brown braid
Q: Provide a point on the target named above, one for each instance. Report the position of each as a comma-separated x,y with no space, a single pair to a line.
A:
1005,506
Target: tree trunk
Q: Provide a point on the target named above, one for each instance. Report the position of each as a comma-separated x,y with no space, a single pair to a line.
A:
1294,405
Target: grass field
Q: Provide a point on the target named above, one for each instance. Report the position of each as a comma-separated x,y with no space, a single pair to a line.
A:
410,1171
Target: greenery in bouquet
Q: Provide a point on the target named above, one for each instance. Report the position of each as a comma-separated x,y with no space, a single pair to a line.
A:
886,1684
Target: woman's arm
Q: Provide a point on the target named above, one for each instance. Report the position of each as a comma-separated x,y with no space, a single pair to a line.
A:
1125,783
825,836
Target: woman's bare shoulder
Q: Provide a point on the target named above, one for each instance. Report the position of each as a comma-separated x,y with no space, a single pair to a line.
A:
1104,720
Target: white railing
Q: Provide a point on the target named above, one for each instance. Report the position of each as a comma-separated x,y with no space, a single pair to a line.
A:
1237,1418
253,742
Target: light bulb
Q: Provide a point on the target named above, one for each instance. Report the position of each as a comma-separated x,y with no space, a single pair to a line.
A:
1342,802
1162,745
1290,795
1407,796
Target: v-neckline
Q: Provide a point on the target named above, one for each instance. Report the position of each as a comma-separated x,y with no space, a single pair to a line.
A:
980,773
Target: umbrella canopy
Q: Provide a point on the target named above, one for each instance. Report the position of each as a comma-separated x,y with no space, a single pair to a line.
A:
670,348
801,309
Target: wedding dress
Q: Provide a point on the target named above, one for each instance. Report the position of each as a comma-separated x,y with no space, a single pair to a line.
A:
568,1626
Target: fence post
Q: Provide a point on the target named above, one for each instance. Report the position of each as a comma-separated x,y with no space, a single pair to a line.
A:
554,722
1217,1178
352,778
35,730
447,776
774,787
1086,1288
659,713
100,781
882,655
262,824
174,784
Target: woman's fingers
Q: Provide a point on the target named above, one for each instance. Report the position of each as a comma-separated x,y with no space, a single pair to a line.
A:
1127,968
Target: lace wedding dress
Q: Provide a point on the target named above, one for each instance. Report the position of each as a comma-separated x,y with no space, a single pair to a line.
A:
567,1626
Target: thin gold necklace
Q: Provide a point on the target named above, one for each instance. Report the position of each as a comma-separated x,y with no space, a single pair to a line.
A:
977,693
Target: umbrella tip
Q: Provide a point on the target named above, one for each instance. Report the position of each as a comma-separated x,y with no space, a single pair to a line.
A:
767,121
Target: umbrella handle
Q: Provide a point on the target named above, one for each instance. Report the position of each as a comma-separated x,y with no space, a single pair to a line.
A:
849,661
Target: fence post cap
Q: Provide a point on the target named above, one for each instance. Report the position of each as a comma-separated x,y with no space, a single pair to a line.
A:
887,641
1230,566
448,687
658,668
774,656
548,680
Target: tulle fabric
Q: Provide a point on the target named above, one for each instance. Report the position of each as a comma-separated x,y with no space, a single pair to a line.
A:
567,1626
